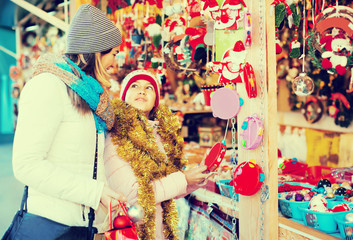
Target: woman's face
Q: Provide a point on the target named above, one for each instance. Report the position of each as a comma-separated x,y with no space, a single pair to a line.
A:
108,58
141,95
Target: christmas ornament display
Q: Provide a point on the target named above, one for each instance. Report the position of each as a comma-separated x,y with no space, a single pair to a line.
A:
331,39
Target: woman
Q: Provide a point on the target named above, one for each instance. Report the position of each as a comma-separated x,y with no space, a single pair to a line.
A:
143,157
64,113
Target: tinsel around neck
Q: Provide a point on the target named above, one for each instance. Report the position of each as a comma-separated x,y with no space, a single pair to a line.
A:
136,144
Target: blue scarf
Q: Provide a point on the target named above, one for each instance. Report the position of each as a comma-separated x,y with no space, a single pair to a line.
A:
88,89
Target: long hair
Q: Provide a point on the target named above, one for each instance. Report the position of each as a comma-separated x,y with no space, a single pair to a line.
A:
91,64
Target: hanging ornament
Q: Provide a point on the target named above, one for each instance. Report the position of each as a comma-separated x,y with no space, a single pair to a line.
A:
303,85
226,103
248,178
231,65
295,44
247,29
252,132
215,156
250,81
339,109
281,9
312,109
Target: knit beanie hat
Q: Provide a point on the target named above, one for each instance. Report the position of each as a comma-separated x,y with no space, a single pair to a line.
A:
140,75
91,31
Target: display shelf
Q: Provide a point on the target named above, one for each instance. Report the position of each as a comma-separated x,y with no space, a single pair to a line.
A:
296,119
225,204
292,229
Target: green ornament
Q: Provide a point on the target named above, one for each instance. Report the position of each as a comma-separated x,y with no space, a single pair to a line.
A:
295,53
280,12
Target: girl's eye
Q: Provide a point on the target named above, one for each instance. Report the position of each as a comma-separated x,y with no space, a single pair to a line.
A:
149,88
133,85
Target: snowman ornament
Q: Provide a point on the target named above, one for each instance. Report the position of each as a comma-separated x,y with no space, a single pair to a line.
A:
231,66
336,56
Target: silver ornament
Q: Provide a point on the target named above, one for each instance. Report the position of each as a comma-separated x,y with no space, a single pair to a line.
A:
303,85
349,217
135,213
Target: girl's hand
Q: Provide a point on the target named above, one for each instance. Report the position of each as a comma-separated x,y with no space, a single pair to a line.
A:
110,195
196,174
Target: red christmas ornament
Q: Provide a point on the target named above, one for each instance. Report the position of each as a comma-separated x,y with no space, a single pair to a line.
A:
121,222
248,178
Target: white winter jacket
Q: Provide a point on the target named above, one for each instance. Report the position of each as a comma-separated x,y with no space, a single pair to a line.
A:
53,153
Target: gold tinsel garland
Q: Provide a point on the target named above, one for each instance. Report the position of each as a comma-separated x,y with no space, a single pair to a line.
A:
133,136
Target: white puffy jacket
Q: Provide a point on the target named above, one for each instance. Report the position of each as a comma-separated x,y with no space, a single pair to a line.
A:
53,153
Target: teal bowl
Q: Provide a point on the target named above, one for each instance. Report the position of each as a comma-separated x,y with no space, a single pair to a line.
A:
323,221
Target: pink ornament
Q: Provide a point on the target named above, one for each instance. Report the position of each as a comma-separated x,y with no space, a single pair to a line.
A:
252,132
225,103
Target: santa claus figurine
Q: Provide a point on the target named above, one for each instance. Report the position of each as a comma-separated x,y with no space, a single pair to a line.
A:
338,48
231,66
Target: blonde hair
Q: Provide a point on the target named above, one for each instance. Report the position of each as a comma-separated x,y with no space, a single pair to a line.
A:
101,73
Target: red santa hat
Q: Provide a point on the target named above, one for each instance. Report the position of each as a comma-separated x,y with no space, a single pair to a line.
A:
239,46
140,75
212,5
233,4
326,42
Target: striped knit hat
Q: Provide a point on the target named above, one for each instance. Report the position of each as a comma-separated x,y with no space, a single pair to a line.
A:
91,32
140,75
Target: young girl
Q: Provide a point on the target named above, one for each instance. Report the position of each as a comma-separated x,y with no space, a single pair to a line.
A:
143,156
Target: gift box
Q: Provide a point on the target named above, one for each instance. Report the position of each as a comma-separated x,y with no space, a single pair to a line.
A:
209,135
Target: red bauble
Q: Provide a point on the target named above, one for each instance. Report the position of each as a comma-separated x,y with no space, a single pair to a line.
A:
121,222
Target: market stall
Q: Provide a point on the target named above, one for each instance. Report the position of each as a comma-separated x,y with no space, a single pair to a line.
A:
257,86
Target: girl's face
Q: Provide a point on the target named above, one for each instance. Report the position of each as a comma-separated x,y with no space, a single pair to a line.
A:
141,95
108,58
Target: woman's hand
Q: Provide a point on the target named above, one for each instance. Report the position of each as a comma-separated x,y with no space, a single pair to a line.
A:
196,174
109,195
